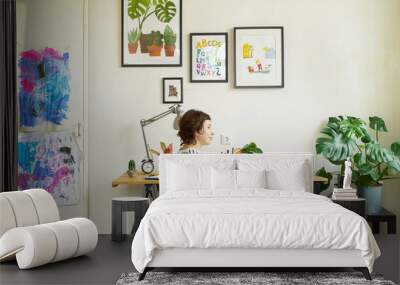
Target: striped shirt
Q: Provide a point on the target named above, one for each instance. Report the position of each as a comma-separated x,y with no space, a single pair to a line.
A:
188,151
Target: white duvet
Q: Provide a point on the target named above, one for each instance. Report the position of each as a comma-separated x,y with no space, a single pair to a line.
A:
251,218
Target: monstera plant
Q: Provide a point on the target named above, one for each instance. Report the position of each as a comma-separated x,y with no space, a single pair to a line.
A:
348,137
141,10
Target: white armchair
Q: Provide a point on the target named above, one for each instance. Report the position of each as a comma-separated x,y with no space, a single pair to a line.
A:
31,230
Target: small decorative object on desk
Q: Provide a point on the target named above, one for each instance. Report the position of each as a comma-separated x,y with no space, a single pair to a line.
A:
347,174
165,148
345,193
131,168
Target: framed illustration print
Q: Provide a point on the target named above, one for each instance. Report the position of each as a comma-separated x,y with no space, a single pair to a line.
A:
172,90
208,57
151,33
258,60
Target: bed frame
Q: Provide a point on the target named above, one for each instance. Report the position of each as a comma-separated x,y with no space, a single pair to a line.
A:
248,259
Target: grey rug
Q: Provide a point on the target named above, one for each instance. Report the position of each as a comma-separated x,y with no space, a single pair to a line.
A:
231,278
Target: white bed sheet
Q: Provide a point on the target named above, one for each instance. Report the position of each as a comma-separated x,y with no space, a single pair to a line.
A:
250,218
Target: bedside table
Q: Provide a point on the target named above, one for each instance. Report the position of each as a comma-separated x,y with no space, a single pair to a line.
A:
382,216
356,205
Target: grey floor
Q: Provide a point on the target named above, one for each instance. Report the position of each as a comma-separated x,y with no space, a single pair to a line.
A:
110,260
102,266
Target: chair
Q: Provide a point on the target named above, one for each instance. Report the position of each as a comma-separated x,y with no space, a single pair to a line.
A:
31,231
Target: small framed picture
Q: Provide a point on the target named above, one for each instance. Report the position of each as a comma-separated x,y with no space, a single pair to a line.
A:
258,59
208,57
172,90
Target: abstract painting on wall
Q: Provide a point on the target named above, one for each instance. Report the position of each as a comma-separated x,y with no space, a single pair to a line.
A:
151,32
44,87
208,55
258,57
50,161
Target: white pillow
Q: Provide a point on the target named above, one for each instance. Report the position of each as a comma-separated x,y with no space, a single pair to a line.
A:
223,179
294,179
251,178
183,177
281,174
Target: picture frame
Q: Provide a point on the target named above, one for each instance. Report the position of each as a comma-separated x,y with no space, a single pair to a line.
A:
151,33
209,57
259,57
172,90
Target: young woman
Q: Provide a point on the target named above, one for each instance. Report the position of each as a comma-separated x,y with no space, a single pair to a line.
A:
195,131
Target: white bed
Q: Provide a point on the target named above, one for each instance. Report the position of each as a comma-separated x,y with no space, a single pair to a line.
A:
232,215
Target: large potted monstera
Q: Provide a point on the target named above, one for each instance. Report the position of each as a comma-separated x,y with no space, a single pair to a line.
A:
141,10
372,163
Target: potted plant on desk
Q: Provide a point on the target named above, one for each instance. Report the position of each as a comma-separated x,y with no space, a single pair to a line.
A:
131,168
348,137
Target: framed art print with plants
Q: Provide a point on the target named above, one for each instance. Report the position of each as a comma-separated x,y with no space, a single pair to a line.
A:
151,33
208,56
172,90
258,57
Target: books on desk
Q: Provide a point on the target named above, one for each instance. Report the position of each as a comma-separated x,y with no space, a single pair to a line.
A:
151,177
344,194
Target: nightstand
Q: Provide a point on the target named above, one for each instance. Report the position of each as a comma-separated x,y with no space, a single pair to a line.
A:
382,216
356,205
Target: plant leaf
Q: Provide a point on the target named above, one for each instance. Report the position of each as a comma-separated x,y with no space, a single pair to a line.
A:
395,147
352,127
336,148
165,11
394,164
323,173
377,124
137,8
377,153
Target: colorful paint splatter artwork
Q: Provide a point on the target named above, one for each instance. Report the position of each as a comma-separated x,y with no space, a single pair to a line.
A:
44,87
50,161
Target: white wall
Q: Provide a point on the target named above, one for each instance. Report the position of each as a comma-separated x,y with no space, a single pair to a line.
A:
341,57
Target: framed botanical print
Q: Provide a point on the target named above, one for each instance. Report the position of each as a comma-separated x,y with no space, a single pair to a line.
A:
151,33
258,60
172,90
208,57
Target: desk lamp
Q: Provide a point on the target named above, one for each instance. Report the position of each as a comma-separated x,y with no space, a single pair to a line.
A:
147,163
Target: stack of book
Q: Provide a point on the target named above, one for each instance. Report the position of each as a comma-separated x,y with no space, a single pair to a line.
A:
344,194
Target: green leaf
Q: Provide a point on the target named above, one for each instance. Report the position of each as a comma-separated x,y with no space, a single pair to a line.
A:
395,147
323,173
365,180
137,8
377,153
165,11
394,164
251,148
336,148
359,158
377,124
352,128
